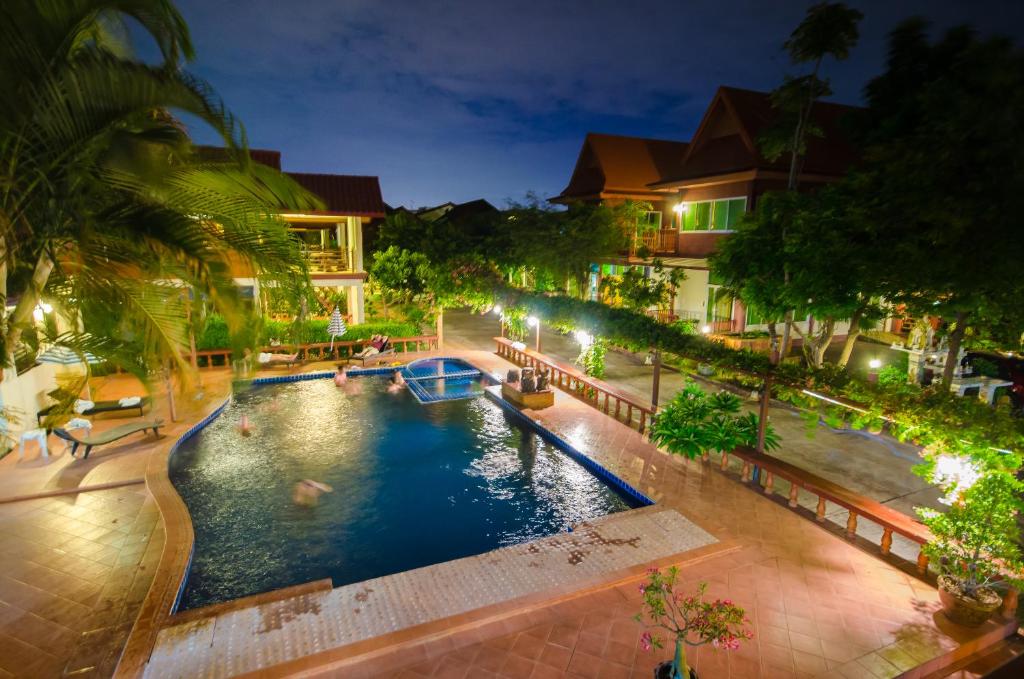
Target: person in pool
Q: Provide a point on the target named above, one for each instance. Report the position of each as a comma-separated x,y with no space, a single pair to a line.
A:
397,382
307,492
341,377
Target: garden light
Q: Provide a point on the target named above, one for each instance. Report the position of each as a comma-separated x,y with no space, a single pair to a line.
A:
532,321
584,338
875,363
41,309
497,309
705,329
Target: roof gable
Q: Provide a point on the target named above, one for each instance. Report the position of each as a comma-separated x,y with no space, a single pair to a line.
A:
344,193
727,139
609,162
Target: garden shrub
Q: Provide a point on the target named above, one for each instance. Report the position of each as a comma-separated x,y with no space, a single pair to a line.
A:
215,333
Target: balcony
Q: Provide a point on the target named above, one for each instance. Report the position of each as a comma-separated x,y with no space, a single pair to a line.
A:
658,242
328,260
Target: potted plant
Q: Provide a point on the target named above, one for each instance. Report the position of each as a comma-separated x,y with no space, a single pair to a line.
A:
689,620
976,542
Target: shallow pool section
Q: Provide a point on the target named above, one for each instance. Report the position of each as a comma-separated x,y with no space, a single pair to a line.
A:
413,484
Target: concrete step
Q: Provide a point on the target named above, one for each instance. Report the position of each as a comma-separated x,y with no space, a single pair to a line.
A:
1002,660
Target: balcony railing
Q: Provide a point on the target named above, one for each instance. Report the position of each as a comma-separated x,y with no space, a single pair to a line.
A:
662,241
328,260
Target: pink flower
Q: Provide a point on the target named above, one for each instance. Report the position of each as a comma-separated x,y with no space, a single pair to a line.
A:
643,588
645,641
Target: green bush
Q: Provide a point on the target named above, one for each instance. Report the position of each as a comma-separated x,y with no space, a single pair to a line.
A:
215,333
891,375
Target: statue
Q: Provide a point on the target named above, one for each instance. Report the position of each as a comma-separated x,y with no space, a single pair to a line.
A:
917,337
529,381
542,381
512,376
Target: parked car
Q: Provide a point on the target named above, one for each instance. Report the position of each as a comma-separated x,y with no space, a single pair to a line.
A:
1008,367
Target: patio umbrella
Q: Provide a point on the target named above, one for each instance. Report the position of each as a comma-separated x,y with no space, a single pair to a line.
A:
336,327
64,356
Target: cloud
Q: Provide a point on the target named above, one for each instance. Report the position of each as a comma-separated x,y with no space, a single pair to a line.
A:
459,98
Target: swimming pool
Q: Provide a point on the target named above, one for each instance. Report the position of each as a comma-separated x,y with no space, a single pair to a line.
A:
414,484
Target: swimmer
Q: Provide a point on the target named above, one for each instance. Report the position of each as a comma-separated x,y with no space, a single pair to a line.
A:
307,492
397,378
244,427
341,377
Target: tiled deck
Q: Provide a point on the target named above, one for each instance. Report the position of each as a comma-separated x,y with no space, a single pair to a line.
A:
277,633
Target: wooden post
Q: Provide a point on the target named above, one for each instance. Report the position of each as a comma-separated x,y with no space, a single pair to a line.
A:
886,540
440,328
657,380
851,525
538,337
794,494
820,514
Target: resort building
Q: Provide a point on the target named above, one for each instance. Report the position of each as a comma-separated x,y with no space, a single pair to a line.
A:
332,238
697,190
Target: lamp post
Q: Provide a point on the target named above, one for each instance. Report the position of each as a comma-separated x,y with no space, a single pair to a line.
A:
534,322
873,366
501,318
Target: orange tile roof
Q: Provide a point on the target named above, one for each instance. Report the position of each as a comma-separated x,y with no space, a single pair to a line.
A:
610,162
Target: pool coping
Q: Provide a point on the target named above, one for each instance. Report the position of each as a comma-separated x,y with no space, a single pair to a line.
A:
159,607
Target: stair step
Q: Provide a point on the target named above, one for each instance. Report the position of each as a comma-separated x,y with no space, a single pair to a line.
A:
1003,660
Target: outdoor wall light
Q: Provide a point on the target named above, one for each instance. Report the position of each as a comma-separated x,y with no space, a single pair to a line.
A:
705,329
532,321
875,363
679,208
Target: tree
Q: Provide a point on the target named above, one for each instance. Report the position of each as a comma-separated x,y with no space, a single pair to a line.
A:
943,136
398,271
103,196
636,290
833,255
828,29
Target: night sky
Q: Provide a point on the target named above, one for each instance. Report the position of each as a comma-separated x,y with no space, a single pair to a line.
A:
463,99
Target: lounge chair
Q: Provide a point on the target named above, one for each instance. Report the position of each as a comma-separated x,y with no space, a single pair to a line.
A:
373,351
279,360
99,407
108,436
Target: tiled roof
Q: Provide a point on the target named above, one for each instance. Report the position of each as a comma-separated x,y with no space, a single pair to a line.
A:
220,154
712,153
344,193
614,162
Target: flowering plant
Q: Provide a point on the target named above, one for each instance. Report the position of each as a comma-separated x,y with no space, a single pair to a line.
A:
689,619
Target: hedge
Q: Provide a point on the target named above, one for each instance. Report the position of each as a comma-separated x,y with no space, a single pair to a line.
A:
215,333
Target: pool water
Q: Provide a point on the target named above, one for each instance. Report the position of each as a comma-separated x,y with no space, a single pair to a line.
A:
413,483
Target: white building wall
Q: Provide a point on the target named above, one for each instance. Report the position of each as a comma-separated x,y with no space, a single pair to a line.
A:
692,294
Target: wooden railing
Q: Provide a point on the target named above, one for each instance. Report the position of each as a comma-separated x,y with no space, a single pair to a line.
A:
659,241
626,408
321,351
857,506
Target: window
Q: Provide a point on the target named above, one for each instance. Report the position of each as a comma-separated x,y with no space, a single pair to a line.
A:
650,220
713,215
719,306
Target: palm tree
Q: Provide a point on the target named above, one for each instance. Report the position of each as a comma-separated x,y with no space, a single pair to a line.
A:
103,197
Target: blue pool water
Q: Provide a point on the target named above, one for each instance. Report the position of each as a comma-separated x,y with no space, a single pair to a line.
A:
414,484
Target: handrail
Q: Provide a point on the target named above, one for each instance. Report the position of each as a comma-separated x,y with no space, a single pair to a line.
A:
890,520
579,384
320,350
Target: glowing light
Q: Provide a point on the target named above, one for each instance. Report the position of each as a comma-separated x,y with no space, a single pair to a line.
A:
584,338
705,329
46,307
37,314
497,309
532,321
679,208
955,475
875,363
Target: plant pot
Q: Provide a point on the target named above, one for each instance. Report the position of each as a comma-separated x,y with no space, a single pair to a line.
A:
964,610
664,671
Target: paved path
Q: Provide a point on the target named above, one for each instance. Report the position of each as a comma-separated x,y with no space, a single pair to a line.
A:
875,466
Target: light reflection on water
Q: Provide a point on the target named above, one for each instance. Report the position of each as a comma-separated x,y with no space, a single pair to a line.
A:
413,485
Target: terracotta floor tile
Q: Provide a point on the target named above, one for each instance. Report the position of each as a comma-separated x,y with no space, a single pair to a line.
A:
516,667
555,656
585,664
